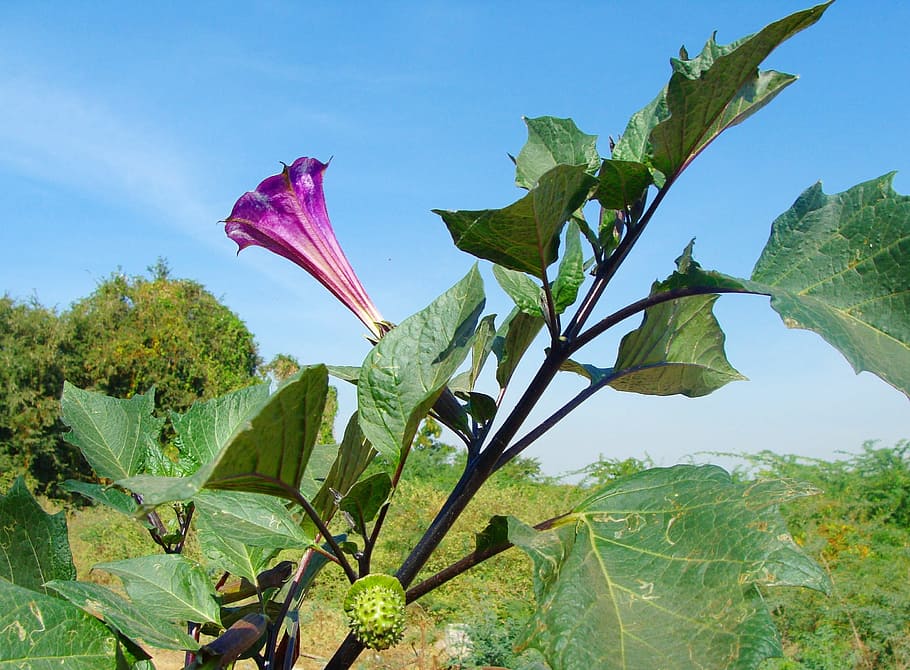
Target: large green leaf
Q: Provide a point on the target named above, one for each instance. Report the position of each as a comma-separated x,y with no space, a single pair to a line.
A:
718,89
838,265
678,349
525,235
170,585
207,426
114,435
553,142
268,452
34,548
406,371
41,632
136,623
662,570
251,518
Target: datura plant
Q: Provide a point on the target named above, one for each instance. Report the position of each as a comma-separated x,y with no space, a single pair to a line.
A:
664,569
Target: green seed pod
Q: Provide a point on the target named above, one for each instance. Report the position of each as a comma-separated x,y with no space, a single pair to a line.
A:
374,606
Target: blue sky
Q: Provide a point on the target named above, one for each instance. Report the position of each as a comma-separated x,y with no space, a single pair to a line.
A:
128,130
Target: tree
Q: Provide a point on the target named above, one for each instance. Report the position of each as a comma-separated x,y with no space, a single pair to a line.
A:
30,383
135,332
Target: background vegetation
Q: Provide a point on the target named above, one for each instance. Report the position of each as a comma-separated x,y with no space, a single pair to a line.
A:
130,334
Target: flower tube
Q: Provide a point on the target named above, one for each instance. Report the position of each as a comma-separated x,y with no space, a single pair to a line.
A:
287,215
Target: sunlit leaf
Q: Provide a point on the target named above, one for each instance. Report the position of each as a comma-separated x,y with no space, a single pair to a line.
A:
523,290
114,435
136,623
838,265
34,547
663,569
250,518
42,632
525,235
512,340
553,142
408,369
170,585
571,271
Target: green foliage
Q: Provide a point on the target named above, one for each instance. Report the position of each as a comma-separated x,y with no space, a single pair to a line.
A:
135,332
130,334
31,377
858,530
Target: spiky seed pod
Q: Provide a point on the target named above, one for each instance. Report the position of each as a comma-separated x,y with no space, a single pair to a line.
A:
374,606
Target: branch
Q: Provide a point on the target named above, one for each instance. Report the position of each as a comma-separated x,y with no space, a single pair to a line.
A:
463,565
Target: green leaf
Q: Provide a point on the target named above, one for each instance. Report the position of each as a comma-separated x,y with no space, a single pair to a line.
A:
106,495
483,345
207,426
689,274
553,142
663,569
620,184
268,452
34,547
251,518
679,348
525,235
41,632
353,456
571,271
523,290
136,623
718,89
114,435
406,371
837,265
224,553
170,585
365,499
512,340
592,373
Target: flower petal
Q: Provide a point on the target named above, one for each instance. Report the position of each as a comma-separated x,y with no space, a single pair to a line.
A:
287,215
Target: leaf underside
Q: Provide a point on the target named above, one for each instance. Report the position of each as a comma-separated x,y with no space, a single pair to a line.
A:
662,570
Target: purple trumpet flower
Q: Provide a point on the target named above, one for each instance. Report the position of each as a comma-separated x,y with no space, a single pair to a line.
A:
286,214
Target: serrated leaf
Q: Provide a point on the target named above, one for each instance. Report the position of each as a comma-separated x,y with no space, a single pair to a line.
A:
207,426
134,622
571,271
662,569
678,349
689,274
251,518
171,585
114,435
553,142
718,89
523,290
267,453
34,547
512,340
837,265
106,495
408,369
365,499
525,235
41,632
